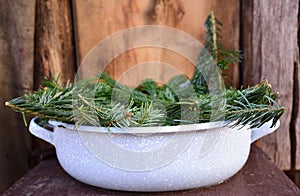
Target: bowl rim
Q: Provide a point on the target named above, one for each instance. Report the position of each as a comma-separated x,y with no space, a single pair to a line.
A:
142,130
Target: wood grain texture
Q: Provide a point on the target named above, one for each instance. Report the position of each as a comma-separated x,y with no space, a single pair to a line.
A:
269,40
296,102
54,48
95,20
16,78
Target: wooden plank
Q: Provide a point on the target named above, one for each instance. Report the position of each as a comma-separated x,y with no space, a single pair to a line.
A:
54,47
16,78
259,176
95,20
296,104
269,30
54,50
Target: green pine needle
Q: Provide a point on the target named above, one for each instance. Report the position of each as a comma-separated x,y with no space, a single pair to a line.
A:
102,101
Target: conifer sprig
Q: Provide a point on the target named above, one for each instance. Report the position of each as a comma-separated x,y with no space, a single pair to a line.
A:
160,106
102,101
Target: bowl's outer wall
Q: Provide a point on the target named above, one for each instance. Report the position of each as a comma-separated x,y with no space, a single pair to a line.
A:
211,157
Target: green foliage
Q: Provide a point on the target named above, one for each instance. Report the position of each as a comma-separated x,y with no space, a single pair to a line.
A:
149,104
102,101
221,56
213,55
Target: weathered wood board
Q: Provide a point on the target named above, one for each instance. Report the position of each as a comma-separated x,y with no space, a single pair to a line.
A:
296,96
16,78
54,47
269,30
96,20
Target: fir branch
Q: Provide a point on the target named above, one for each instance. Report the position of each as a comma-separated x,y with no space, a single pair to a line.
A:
213,48
253,106
102,101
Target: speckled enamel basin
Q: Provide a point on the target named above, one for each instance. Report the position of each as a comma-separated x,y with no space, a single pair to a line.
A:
151,158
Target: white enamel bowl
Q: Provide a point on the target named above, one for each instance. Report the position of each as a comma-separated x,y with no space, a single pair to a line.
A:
151,159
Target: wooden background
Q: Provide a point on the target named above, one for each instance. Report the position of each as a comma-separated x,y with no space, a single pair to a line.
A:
38,37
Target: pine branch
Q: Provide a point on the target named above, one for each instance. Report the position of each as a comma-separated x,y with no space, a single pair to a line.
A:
102,101
253,105
212,49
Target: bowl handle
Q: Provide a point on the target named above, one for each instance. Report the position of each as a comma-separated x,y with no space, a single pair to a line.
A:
257,133
40,132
